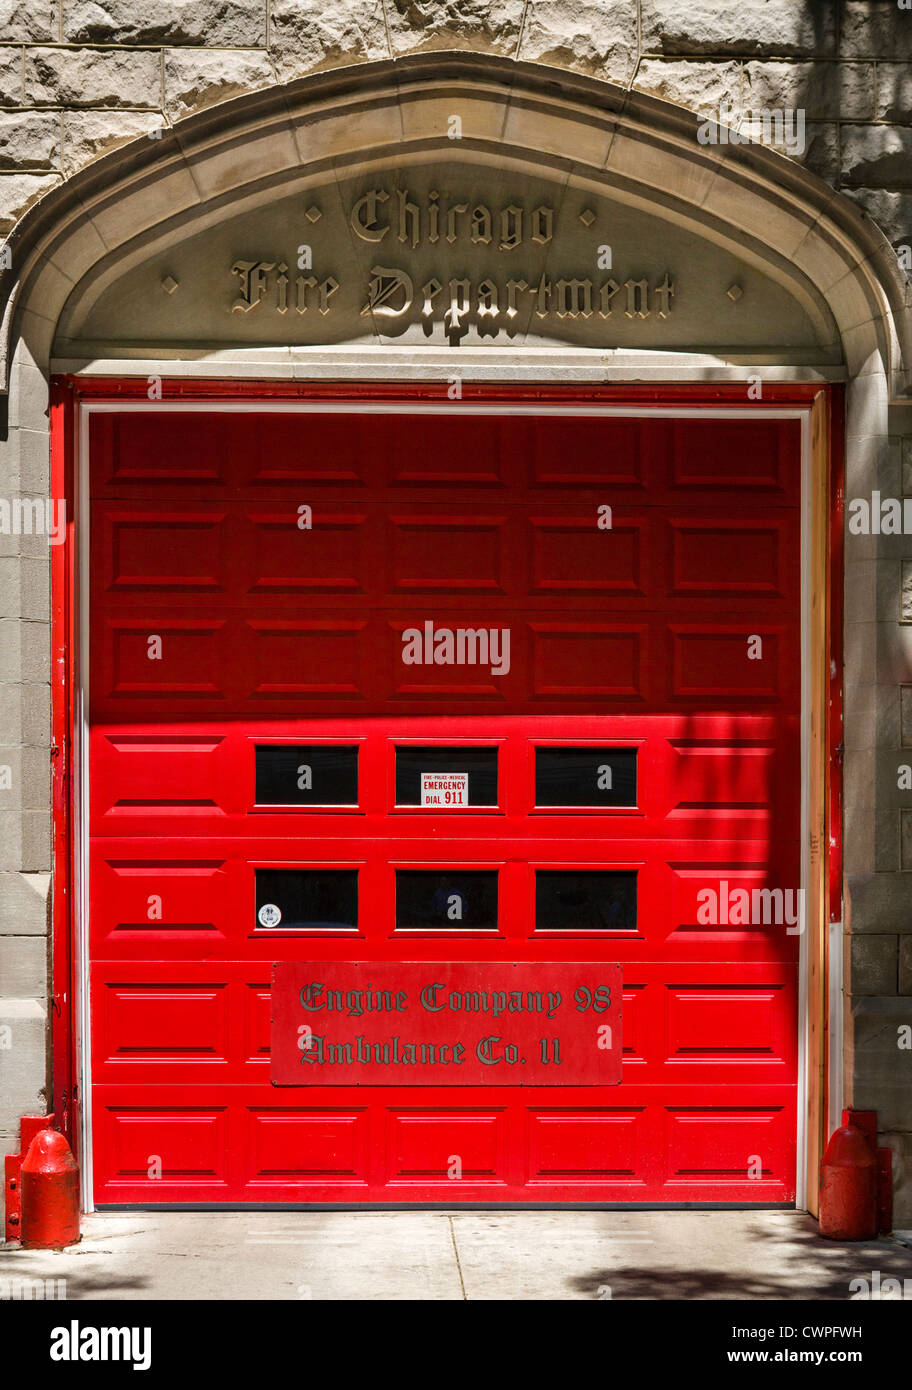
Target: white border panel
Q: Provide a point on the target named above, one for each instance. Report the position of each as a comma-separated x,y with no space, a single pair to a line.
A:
87,409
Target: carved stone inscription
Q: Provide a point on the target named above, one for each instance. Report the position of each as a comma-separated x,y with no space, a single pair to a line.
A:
506,293
446,252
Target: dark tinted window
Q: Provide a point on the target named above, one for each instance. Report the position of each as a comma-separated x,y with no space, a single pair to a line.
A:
479,763
586,899
307,897
451,898
306,775
585,776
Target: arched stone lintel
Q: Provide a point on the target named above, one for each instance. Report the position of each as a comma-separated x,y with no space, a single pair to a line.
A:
155,242
641,148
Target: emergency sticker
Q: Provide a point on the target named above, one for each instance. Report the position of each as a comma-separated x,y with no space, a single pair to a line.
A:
444,789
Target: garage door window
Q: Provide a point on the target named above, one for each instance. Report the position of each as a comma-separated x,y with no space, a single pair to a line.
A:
306,775
307,899
446,900
446,778
587,777
585,900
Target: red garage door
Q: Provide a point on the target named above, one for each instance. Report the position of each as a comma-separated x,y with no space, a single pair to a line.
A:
271,593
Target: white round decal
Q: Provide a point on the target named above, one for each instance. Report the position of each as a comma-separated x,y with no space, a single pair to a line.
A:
269,915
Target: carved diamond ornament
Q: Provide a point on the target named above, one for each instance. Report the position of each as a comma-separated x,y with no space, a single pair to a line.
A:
587,217
169,284
734,293
313,213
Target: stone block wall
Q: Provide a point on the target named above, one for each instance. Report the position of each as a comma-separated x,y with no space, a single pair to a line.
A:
79,77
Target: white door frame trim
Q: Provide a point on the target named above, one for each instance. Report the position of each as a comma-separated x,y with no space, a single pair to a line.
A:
86,409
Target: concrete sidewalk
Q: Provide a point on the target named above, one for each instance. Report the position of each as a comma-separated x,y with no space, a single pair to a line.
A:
433,1255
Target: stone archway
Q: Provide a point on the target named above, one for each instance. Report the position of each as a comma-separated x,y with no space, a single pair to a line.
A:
118,218
249,152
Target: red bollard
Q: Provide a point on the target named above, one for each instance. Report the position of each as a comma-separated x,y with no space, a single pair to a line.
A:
29,1125
49,1181
848,1186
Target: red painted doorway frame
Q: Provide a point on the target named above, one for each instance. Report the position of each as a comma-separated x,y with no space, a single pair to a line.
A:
826,405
